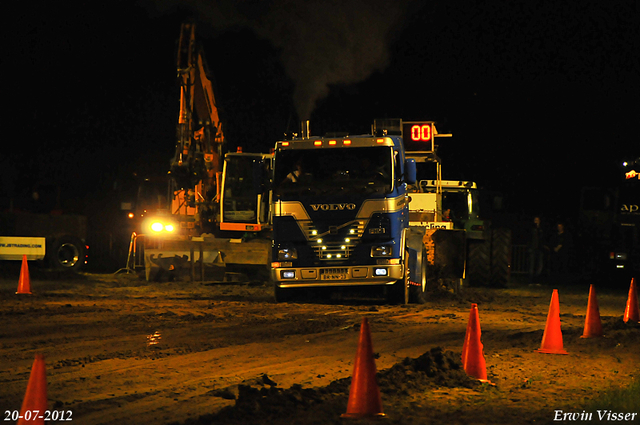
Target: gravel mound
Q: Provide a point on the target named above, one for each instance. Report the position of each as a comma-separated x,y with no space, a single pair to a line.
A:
269,404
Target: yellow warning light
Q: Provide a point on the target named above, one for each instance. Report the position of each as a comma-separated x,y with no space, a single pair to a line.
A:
317,143
346,142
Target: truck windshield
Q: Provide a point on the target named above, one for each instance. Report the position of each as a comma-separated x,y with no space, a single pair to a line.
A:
463,205
340,170
457,203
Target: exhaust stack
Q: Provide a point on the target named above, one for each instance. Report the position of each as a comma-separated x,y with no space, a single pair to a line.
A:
304,129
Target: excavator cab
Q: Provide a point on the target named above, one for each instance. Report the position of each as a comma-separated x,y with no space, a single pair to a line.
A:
245,194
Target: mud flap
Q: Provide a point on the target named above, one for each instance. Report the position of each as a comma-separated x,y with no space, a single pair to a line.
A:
415,246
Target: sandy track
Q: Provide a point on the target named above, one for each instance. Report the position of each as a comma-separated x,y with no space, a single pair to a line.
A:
122,351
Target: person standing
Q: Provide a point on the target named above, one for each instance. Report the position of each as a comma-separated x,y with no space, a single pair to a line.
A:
561,250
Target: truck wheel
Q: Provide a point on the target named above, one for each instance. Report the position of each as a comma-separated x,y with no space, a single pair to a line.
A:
418,293
500,257
67,253
478,263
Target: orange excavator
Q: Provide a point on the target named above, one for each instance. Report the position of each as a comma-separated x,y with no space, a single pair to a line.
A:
218,207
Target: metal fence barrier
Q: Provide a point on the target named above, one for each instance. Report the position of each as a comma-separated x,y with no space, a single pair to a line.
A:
519,259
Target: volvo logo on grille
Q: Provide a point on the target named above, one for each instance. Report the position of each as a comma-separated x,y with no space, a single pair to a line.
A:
333,207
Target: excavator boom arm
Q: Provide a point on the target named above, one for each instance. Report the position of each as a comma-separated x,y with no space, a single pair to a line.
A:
200,138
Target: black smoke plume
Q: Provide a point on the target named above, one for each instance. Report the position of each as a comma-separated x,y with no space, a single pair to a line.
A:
321,42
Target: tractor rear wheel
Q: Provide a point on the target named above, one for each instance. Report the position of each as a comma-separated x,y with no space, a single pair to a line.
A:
479,262
500,257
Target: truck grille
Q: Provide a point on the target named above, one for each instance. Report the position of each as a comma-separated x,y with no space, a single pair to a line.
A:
353,229
332,251
337,242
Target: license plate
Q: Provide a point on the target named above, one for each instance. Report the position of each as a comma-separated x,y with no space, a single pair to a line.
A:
334,277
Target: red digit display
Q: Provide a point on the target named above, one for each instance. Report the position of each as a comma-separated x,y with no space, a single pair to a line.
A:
418,136
421,132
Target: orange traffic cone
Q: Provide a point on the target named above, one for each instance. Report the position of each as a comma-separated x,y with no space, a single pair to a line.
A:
364,394
35,399
631,311
592,323
552,338
472,355
24,284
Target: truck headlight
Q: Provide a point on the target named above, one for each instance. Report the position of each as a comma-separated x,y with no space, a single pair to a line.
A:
381,251
287,254
379,271
287,274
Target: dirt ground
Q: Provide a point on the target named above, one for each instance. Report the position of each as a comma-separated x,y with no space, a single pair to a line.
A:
120,350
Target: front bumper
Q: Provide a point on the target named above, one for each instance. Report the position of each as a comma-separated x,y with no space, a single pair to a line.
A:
299,277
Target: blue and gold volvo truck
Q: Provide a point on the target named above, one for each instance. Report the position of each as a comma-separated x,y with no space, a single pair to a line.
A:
341,217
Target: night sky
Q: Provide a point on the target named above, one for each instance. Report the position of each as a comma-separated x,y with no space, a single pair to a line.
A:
541,98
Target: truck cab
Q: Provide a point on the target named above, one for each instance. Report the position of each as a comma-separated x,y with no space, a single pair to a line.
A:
340,214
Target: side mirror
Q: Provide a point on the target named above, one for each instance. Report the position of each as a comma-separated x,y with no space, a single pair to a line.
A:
410,171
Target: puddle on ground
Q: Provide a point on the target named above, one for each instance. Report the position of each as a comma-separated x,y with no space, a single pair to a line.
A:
154,338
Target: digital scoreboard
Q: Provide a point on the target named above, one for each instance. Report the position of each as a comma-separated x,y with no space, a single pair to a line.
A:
418,136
